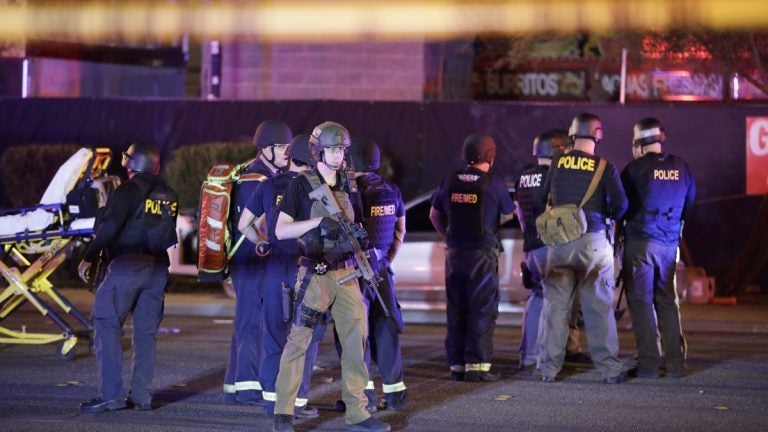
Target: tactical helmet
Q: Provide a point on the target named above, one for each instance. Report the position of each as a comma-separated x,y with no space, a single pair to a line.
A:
648,131
586,126
326,135
545,143
142,157
478,148
271,132
299,149
366,155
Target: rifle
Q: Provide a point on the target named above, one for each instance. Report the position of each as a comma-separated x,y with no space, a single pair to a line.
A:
324,195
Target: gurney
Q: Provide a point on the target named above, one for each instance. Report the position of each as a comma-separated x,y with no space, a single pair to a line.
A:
37,240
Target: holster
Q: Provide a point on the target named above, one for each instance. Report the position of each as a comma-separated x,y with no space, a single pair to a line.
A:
299,296
288,301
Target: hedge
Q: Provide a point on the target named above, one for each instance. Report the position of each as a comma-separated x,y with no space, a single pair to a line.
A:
189,165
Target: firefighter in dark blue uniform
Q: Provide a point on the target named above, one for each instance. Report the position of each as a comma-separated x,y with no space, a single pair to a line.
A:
241,380
280,271
384,220
135,280
587,262
468,208
661,192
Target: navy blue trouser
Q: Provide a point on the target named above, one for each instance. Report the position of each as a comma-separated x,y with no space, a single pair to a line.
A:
472,288
649,272
134,284
242,376
282,269
384,336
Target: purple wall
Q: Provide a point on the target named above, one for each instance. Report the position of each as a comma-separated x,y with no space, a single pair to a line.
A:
424,140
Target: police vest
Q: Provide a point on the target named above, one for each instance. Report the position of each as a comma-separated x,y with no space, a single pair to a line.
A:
279,186
659,188
312,243
571,175
531,195
380,201
465,197
152,227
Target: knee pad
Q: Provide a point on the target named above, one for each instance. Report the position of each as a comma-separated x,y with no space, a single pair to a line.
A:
308,317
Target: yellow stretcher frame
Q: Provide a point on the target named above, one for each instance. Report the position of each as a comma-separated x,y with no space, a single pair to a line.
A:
28,280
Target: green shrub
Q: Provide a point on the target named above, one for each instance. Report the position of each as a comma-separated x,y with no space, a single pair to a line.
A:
27,170
189,165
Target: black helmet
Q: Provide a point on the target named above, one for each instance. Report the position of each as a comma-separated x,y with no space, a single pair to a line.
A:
271,132
478,148
142,157
550,143
366,155
299,149
325,135
586,126
648,131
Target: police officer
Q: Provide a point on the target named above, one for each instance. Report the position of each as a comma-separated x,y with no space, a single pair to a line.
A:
135,281
468,208
241,380
384,220
661,192
281,257
530,202
325,260
587,262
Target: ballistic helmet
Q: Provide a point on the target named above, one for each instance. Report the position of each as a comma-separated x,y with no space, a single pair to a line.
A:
366,155
142,157
478,148
586,126
271,132
550,143
326,135
299,149
648,131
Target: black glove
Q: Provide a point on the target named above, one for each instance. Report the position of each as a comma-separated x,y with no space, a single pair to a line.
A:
329,228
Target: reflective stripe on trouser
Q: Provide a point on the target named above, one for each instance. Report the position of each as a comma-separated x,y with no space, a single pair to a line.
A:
272,397
589,260
649,280
348,311
245,356
477,367
383,336
134,284
275,333
472,288
530,343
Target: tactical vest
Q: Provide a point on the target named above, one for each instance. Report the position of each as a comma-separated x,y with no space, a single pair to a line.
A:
465,197
572,173
279,186
380,202
661,187
531,195
312,243
151,229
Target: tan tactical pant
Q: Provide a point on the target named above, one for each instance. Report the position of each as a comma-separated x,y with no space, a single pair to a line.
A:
349,316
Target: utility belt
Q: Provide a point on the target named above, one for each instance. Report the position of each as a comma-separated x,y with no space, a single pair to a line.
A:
284,254
321,267
116,252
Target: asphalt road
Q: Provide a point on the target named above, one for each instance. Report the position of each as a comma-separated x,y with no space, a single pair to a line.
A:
726,388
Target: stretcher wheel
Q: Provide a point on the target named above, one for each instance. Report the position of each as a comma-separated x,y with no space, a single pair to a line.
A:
66,349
